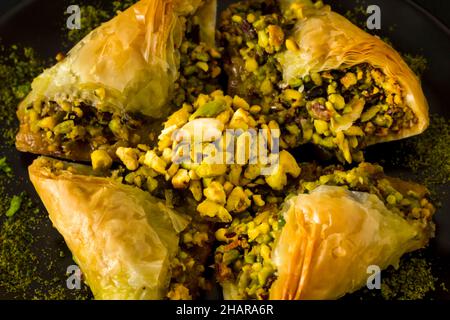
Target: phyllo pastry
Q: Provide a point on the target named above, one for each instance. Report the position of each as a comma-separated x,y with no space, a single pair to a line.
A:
322,243
126,242
115,83
323,79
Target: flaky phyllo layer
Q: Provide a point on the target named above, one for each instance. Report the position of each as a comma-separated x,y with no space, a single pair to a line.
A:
128,243
117,83
142,218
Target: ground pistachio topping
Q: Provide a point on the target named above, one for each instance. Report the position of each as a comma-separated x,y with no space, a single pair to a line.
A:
413,280
31,267
223,177
426,155
18,67
92,16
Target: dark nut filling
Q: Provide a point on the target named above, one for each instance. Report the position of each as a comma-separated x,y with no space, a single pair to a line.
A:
71,126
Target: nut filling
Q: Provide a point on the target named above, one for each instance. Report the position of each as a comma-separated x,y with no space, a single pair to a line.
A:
341,111
69,129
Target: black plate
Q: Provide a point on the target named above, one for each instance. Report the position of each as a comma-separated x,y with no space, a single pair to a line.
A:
38,23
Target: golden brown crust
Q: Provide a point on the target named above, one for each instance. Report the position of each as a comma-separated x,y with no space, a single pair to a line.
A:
331,237
122,238
132,57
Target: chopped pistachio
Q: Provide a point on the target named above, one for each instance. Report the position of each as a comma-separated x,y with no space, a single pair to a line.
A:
195,186
258,200
206,170
47,123
348,80
181,179
215,192
100,160
212,209
152,184
291,45
156,163
320,126
64,127
237,201
251,65
209,109
129,157
238,102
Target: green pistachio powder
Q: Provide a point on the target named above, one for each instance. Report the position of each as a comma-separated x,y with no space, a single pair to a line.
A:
25,264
